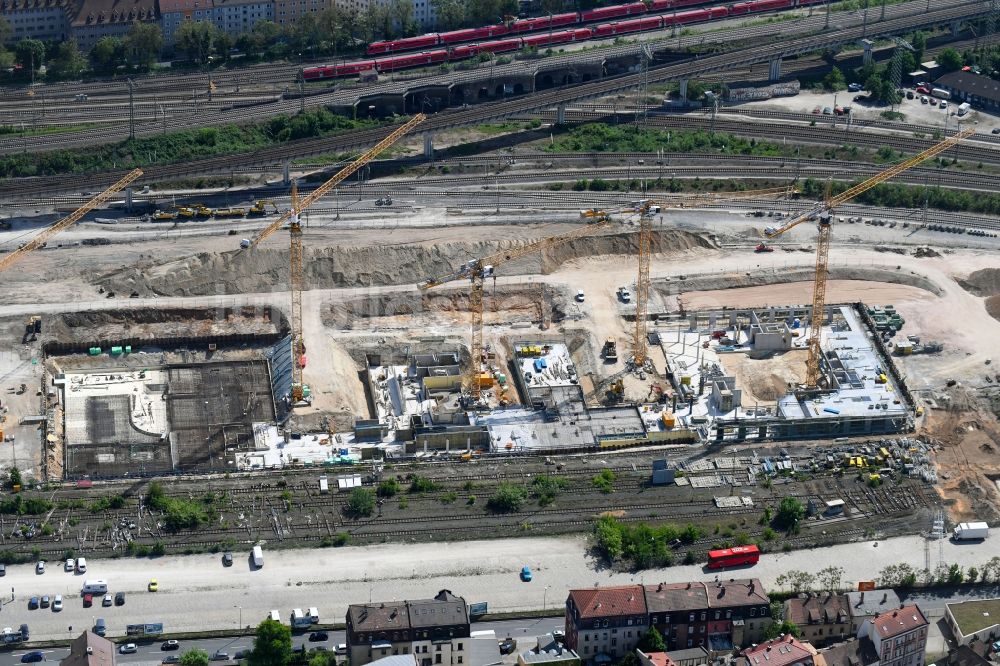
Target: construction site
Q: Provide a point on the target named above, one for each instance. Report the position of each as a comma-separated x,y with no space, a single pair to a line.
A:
671,340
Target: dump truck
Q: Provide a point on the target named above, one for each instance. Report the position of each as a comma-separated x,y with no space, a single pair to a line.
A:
610,350
971,531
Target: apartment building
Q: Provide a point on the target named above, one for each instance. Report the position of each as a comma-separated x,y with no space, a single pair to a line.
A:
605,621
868,604
95,19
899,637
47,20
822,617
785,650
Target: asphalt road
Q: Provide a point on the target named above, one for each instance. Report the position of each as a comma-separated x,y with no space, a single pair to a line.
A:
150,653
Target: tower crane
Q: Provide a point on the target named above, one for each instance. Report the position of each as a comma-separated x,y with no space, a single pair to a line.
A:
477,270
295,254
639,343
68,221
822,213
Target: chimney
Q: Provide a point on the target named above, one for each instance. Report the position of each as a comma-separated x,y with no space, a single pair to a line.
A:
885,597
90,650
862,598
659,588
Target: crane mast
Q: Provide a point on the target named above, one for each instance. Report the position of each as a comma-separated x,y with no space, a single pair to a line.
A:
823,214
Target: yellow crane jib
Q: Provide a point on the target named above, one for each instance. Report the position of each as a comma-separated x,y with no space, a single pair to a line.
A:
71,219
339,177
822,213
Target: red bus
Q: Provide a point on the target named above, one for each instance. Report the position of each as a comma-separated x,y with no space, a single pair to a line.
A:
737,556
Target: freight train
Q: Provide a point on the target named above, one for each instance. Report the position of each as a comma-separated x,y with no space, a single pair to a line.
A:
453,52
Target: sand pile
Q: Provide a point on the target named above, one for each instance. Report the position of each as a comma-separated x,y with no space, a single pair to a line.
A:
985,282
267,270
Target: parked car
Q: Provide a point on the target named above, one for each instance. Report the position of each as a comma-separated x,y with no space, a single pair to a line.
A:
45,601
32,657
153,585
923,99
923,90
220,656
909,94
943,105
855,87
57,603
100,626
88,600
3,570
508,646
40,568
32,603
128,648
827,111
996,130
526,574
170,645
120,599
70,564
340,649
318,637
81,565
107,600
227,559
171,659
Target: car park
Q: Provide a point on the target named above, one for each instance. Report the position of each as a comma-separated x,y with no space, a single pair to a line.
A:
120,599
526,574
170,645
128,648
32,657
57,603
107,600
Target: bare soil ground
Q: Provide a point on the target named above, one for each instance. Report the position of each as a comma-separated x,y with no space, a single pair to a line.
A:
767,379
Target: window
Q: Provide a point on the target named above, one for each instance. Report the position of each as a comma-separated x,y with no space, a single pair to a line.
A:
820,632
586,638
690,619
717,614
689,642
751,625
460,660
586,649
629,635
459,646
703,616
729,614
630,623
437,659
614,642
655,621
438,648
753,612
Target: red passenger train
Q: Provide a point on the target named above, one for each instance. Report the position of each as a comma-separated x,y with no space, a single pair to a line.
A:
737,556
456,50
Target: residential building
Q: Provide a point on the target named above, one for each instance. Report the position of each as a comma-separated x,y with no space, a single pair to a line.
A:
899,636
655,659
235,17
47,20
548,651
287,12
865,605
696,656
855,652
95,19
974,620
89,649
425,14
821,617
175,12
978,90
715,615
435,630
605,621
785,650
396,660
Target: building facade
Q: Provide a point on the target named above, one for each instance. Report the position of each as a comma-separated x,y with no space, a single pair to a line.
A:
47,20
605,621
973,621
287,12
978,90
95,19
175,12
822,617
435,631
235,17
866,605
898,636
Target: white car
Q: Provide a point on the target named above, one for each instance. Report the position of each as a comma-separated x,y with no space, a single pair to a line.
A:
81,565
70,564
580,296
40,568
57,603
107,600
128,648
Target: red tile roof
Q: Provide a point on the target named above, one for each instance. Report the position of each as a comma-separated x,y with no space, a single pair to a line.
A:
593,602
900,621
659,659
730,593
780,652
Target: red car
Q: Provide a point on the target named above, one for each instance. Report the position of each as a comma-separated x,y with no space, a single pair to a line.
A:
88,600
923,90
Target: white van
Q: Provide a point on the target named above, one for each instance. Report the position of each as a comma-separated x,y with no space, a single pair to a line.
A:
276,616
314,615
95,587
258,556
81,565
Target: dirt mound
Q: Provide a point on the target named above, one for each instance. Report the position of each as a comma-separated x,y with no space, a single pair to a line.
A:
993,306
926,253
985,282
267,270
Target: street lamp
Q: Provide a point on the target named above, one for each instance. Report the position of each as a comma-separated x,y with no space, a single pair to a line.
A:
545,593
239,626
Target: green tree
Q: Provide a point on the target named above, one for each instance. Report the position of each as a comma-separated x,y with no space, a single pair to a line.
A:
402,16
790,512
507,499
450,13
143,44
361,502
835,80
955,575
68,62
194,658
919,43
608,534
108,53
971,575
322,659
15,477
196,40
485,12
949,59
7,59
783,627
652,641
6,31
272,645
30,52
388,488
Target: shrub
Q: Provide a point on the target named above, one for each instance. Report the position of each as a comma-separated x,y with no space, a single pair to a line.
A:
605,481
507,499
422,484
360,503
388,488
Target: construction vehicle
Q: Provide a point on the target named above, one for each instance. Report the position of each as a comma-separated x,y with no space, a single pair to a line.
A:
164,216
230,212
32,327
260,207
201,210
610,351
592,213
822,212
186,212
68,221
299,390
763,247
476,271
646,208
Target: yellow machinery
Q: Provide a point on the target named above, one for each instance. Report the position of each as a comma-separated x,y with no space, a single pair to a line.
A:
823,213
230,212
164,215
260,207
201,210
71,219
291,217
645,243
184,211
476,271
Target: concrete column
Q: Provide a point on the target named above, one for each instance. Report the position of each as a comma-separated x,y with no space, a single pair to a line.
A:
684,90
774,73
867,45
561,115
956,27
286,177
429,145
128,199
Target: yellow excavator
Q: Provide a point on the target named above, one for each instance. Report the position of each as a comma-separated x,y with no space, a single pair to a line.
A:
261,205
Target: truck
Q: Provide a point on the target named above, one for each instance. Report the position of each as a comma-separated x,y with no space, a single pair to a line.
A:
610,351
11,636
300,620
940,93
258,556
763,247
964,108
971,531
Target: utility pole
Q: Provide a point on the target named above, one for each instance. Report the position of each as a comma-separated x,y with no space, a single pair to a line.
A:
827,26
131,111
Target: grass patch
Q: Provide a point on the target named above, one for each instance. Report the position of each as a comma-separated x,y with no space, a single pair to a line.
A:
605,481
